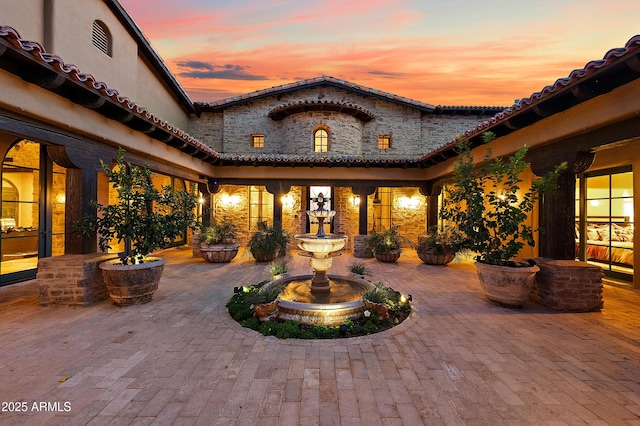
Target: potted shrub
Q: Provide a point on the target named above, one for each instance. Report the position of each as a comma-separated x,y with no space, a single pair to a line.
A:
438,247
358,269
265,301
279,268
375,300
268,242
489,210
385,244
218,241
145,219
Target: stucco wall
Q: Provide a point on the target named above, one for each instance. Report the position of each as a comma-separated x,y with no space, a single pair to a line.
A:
72,25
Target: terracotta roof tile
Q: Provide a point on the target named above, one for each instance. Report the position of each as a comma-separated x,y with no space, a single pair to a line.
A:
73,73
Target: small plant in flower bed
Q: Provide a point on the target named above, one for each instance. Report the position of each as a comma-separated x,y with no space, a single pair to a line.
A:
242,303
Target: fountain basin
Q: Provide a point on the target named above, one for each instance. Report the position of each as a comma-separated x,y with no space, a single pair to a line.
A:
297,302
321,245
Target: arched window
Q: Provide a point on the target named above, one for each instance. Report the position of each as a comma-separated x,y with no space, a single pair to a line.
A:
321,139
101,38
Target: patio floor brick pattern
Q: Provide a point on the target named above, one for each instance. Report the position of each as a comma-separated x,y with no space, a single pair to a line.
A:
181,360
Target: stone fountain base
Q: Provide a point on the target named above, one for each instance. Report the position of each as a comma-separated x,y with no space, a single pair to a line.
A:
297,301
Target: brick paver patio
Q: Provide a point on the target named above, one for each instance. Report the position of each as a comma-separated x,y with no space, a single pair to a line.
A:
181,360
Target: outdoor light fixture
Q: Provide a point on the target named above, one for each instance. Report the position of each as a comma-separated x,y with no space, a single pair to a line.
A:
237,289
409,202
409,298
287,200
355,200
229,200
201,200
403,299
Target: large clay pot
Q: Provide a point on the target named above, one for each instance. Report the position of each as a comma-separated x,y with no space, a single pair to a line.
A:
380,309
430,258
132,284
219,253
506,285
266,311
388,257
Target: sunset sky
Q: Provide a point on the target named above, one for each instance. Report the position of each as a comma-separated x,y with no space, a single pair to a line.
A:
444,52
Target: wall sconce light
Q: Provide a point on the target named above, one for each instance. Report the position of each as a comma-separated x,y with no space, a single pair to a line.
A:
229,200
287,200
409,202
201,200
355,200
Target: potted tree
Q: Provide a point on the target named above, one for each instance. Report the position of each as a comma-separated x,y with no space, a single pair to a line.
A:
142,217
385,244
490,212
218,241
438,247
268,242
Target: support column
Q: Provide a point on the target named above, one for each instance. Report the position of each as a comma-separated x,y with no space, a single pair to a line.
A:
360,240
431,191
278,190
557,213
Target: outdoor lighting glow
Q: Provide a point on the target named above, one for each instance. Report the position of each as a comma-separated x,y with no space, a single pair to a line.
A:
355,200
409,202
403,299
287,200
201,200
229,200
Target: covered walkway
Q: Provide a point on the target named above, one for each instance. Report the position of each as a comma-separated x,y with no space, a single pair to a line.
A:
182,360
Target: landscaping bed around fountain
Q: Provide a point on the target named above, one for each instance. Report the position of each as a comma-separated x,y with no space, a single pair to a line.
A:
242,308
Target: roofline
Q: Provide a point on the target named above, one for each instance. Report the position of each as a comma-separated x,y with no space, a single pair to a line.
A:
310,83
151,55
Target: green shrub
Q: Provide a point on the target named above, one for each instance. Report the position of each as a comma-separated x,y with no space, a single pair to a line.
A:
252,323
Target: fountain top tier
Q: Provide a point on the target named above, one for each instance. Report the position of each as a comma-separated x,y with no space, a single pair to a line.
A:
320,213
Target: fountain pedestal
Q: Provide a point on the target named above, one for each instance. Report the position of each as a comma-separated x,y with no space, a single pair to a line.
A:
321,245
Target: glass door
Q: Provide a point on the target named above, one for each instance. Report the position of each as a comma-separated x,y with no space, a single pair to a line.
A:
33,211
605,225
314,191
20,242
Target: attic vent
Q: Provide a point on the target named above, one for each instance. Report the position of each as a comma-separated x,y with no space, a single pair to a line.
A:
100,37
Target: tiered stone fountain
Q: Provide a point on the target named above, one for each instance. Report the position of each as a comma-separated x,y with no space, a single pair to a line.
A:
321,298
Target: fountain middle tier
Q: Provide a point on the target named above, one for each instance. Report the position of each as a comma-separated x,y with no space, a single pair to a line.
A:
321,249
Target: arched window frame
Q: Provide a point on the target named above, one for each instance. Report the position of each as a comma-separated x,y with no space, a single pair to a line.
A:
101,38
318,138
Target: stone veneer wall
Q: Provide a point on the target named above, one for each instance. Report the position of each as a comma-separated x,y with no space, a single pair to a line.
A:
568,285
411,220
412,132
72,279
293,216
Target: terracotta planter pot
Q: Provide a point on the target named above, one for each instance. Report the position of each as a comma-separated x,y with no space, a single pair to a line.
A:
219,253
430,258
388,257
265,311
380,309
132,284
506,285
